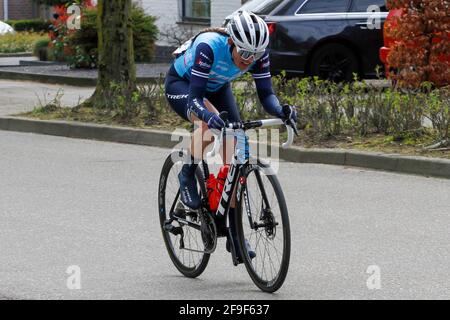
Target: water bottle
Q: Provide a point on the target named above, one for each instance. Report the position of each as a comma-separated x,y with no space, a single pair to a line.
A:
215,187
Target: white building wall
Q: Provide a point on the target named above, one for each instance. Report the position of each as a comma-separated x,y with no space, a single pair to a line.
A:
168,13
220,9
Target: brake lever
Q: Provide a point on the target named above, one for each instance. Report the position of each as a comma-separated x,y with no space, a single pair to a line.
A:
293,124
289,121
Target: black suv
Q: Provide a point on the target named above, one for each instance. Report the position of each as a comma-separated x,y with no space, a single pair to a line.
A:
329,38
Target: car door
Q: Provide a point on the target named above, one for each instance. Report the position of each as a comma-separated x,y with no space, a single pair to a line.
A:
366,19
300,26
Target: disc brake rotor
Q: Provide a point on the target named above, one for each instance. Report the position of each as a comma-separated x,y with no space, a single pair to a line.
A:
270,224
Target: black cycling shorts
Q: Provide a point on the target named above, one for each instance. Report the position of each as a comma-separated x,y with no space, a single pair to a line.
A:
177,93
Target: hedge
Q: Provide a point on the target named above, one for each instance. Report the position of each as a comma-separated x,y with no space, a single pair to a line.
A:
20,42
35,25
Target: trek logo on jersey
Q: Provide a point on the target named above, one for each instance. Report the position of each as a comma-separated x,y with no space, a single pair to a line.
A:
205,56
177,96
198,105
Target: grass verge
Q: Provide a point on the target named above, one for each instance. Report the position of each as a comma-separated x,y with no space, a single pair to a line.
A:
408,145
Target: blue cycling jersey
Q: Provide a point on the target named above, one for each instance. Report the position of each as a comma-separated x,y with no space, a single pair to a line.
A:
222,68
207,64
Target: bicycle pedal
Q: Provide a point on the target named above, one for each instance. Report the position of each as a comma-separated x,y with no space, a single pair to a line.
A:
169,227
180,211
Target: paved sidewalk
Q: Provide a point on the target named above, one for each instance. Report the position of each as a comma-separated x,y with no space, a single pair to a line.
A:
14,61
20,96
142,70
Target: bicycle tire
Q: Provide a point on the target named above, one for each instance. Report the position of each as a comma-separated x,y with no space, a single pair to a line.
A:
276,283
190,272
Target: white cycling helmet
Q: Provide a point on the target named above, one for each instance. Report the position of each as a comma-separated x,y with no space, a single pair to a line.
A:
249,33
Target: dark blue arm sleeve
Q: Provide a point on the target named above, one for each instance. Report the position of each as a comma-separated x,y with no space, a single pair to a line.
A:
263,81
204,58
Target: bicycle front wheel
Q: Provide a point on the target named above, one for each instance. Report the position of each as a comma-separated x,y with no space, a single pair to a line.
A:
263,225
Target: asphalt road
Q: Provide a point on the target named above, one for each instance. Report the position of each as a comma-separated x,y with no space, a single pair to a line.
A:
66,202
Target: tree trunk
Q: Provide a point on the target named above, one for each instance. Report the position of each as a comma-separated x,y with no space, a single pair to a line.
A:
116,68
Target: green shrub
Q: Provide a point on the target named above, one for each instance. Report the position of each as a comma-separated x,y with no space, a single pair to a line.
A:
84,42
336,111
41,49
328,110
145,34
36,25
20,41
438,112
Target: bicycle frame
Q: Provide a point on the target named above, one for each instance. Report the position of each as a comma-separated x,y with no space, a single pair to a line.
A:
231,183
235,167
229,187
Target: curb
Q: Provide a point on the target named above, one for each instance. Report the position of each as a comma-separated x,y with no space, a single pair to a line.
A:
61,80
430,167
16,55
38,63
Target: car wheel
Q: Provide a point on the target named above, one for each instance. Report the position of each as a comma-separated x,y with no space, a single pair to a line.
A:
334,62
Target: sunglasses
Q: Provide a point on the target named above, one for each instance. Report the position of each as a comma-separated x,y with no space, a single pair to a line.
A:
247,55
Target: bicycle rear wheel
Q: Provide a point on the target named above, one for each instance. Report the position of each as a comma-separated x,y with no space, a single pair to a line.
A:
262,221
190,263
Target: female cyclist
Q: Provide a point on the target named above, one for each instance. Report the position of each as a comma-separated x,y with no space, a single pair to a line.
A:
198,88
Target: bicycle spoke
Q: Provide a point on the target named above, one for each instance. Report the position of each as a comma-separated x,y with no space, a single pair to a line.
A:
263,260
268,240
270,259
189,259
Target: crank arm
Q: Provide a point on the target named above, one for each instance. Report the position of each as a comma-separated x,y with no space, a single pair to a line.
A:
257,226
199,251
187,223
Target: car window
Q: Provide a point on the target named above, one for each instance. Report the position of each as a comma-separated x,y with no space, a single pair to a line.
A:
267,7
363,5
324,6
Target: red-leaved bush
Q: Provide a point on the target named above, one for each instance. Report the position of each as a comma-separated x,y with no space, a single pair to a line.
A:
421,50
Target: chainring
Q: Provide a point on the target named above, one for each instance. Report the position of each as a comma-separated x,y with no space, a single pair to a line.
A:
209,232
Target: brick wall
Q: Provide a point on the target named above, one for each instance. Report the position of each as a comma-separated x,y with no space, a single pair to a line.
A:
21,9
2,17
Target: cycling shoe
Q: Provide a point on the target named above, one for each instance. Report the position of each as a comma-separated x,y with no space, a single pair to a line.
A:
188,186
251,253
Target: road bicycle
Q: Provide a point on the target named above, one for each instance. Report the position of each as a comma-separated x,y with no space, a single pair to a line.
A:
262,219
